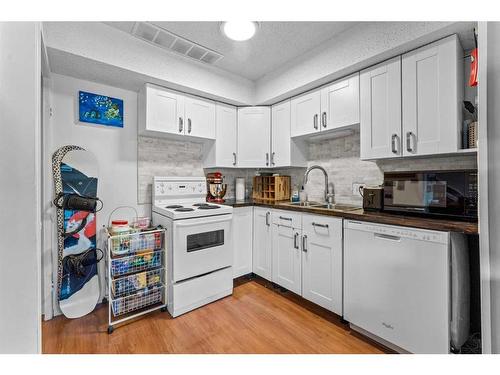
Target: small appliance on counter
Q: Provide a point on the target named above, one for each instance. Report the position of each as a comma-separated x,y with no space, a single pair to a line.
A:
373,198
446,194
216,188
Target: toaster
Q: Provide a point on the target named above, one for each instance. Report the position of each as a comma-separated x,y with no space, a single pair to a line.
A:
373,198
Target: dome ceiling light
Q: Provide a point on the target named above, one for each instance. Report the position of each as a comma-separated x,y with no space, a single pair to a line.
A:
239,30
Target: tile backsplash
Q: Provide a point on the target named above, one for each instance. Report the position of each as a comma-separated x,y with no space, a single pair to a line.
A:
340,158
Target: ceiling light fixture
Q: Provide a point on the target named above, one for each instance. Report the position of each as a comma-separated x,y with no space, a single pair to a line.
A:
239,30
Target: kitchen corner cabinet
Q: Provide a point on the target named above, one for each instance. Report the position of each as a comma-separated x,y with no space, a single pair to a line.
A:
222,153
286,250
169,113
285,151
322,261
411,105
332,107
262,243
242,241
254,137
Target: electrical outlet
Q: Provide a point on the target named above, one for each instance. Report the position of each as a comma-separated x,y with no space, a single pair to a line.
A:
356,186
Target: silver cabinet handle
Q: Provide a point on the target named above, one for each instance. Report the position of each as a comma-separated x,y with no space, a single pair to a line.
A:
267,158
409,136
393,143
304,243
323,119
285,218
295,238
189,125
320,225
181,125
315,121
234,156
267,218
272,158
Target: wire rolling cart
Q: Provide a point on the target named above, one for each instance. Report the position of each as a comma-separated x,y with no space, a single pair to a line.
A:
136,265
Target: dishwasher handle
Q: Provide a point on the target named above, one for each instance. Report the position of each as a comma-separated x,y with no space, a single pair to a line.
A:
387,237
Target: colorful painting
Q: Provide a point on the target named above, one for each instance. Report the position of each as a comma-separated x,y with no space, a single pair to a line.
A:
100,109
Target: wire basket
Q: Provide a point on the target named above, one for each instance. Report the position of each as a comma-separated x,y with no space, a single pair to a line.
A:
139,300
134,243
124,286
136,263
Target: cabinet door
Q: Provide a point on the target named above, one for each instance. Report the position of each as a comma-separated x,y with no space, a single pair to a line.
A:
340,103
254,137
242,240
432,87
380,109
322,261
305,113
262,242
199,117
164,110
280,145
287,267
226,126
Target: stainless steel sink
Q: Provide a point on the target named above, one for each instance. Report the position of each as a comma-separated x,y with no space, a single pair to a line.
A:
338,207
303,204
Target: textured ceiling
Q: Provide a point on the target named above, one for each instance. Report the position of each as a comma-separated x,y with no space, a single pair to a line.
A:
274,44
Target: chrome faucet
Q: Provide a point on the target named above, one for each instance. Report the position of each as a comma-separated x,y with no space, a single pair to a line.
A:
329,193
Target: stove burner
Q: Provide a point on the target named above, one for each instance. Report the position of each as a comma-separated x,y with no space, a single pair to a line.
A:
208,207
184,209
200,204
174,206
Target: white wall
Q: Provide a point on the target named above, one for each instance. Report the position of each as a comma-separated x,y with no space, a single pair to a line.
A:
20,150
115,149
493,172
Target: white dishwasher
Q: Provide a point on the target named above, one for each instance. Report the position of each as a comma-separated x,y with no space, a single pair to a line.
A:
397,286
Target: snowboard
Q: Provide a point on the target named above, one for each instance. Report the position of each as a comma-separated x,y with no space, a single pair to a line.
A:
75,172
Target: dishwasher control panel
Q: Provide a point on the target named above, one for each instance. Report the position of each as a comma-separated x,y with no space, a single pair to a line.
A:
396,232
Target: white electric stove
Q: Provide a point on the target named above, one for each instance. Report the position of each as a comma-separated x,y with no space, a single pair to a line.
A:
199,242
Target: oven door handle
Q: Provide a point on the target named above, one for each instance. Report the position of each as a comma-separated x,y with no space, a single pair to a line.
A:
203,220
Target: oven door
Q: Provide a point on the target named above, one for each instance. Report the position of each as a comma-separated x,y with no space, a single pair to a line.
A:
201,245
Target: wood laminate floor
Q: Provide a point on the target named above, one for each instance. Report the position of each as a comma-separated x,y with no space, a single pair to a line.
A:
255,319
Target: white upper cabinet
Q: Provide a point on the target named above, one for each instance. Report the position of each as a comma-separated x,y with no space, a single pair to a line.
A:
380,105
165,112
305,110
340,103
432,87
199,117
254,137
223,152
280,142
161,111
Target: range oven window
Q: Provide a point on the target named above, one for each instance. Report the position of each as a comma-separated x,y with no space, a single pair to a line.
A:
200,241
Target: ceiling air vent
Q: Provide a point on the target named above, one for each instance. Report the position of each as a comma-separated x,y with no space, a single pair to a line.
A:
172,42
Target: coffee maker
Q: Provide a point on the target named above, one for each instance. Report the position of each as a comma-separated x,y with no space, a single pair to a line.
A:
216,188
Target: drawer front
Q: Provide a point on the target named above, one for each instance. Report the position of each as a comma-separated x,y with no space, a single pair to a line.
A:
287,218
320,223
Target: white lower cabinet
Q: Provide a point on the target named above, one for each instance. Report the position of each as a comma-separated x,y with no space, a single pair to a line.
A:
262,243
322,261
242,241
287,257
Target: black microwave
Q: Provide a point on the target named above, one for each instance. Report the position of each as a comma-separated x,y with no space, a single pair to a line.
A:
446,194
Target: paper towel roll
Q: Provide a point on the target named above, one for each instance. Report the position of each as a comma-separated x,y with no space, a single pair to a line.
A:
240,189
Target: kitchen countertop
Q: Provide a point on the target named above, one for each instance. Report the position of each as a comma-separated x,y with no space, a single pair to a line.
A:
444,225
